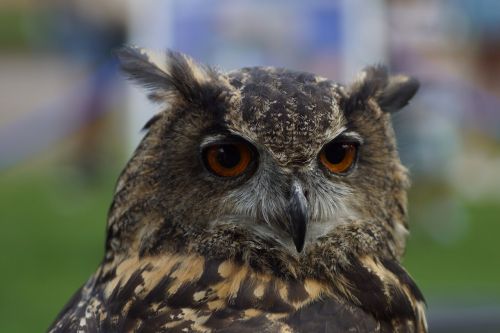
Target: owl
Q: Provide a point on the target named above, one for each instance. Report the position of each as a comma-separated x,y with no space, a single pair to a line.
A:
259,200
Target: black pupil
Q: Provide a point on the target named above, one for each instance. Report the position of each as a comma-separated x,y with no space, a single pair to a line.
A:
228,156
335,152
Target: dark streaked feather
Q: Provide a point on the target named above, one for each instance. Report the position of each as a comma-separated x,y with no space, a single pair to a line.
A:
392,93
398,93
177,75
141,304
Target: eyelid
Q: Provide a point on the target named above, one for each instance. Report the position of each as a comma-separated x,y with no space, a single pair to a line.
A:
349,136
344,135
214,139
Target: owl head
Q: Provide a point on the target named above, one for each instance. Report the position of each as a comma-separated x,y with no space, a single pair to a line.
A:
260,163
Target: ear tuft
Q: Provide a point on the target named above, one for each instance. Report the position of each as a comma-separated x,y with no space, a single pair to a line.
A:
139,66
390,92
170,77
398,92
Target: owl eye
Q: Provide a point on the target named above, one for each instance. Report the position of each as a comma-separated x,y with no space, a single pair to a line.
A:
227,159
338,157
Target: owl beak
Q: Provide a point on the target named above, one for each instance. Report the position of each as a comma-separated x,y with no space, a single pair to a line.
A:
299,216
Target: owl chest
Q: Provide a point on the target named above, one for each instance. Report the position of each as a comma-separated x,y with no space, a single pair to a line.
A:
196,295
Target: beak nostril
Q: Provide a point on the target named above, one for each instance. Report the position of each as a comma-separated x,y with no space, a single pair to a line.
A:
306,194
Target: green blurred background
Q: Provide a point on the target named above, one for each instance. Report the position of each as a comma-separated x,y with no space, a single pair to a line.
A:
68,123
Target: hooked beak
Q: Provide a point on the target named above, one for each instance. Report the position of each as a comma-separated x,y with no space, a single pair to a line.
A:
299,216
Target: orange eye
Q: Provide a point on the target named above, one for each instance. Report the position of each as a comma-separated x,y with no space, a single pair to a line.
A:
227,159
338,157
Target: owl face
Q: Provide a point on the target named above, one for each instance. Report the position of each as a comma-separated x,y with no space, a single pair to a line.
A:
284,157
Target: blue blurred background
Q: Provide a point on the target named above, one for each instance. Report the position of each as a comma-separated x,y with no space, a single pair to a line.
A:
68,123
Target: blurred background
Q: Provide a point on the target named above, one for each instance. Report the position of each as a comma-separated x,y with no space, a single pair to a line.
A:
69,122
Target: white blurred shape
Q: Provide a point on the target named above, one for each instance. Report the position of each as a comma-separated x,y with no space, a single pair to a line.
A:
149,26
475,173
364,26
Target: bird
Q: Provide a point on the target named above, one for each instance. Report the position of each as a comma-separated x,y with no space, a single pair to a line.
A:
261,199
